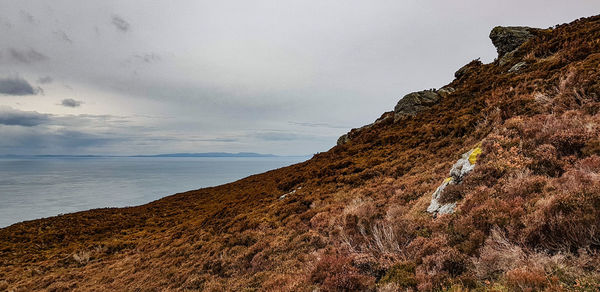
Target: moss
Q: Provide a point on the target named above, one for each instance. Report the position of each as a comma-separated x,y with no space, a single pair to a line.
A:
401,274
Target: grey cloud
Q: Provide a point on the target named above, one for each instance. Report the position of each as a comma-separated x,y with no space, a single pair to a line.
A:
277,136
16,86
26,56
63,36
45,80
220,69
120,23
224,140
13,117
27,17
6,24
317,125
148,58
69,102
35,140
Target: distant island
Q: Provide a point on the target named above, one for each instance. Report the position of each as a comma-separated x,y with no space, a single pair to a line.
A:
206,154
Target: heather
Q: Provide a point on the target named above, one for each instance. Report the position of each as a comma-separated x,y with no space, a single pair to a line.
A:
354,218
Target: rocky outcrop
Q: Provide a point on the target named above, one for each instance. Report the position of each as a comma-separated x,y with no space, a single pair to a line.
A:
508,39
408,106
466,70
458,171
343,139
415,102
354,132
517,67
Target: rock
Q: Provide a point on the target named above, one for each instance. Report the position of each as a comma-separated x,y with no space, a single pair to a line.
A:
517,67
435,206
467,69
287,194
445,91
415,102
408,106
458,171
343,139
508,39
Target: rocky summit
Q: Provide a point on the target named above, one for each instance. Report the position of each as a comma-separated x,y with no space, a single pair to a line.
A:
507,39
490,183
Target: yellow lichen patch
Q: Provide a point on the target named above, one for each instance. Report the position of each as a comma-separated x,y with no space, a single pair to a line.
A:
448,179
474,154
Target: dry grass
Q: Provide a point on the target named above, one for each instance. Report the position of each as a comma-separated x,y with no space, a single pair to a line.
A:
527,218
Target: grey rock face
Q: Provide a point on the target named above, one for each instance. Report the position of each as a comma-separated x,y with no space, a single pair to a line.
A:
445,91
517,67
415,102
459,170
467,69
508,39
387,117
408,106
343,139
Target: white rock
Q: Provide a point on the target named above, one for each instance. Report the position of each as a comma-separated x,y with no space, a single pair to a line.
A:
458,171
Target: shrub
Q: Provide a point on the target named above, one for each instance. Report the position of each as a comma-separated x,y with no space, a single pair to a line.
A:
569,219
452,193
524,186
591,147
336,273
402,275
439,267
571,140
523,279
497,256
546,161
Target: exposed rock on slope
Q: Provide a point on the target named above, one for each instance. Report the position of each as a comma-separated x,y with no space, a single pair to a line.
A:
459,170
413,103
526,216
466,70
408,106
508,39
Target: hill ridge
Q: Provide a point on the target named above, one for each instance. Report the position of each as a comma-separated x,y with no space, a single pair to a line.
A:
355,217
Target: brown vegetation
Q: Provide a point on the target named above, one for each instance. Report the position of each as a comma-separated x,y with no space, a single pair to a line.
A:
528,216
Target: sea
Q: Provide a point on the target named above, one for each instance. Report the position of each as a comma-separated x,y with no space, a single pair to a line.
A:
32,188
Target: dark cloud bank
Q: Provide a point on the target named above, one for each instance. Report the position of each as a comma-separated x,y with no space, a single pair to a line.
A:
69,102
120,23
16,86
13,117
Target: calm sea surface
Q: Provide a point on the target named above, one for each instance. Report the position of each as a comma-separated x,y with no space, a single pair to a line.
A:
33,188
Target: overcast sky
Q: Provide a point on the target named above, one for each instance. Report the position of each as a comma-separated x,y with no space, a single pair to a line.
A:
282,77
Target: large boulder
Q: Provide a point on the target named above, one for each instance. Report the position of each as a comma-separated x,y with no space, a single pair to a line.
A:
468,69
415,102
343,139
408,106
509,38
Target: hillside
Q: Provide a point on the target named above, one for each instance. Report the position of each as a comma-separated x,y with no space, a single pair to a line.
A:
518,212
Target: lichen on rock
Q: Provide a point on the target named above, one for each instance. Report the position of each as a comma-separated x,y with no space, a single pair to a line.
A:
459,170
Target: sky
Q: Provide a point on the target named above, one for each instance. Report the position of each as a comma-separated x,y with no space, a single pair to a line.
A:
281,77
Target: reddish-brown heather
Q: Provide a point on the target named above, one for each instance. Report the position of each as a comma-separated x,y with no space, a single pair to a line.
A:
527,219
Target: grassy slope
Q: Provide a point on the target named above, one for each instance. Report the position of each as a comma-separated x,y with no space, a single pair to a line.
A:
527,216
